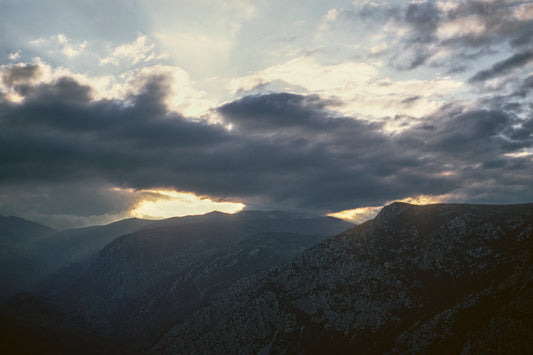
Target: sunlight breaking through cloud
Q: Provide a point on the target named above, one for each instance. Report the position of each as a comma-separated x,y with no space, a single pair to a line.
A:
363,214
169,203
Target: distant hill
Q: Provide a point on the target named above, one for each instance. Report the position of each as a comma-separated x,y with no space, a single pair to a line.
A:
416,279
70,250
31,253
16,231
128,293
178,248
17,236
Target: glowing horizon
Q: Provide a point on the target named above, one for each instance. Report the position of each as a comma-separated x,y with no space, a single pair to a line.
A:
166,203
363,214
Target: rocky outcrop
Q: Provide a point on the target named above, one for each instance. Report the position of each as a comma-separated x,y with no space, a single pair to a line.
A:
416,279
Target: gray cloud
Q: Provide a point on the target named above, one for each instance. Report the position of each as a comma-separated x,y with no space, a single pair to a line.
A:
505,66
20,73
284,151
423,19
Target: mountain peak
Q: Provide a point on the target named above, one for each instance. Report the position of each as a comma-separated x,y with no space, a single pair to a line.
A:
393,211
444,276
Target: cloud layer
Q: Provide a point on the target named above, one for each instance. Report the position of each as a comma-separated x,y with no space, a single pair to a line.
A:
270,104
283,150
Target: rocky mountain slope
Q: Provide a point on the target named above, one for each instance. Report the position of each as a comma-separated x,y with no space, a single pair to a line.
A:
416,279
171,300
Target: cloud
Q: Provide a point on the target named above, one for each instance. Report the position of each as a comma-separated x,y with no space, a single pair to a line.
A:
421,32
168,203
360,215
68,203
503,67
287,151
182,95
15,55
424,17
19,74
140,50
358,87
60,44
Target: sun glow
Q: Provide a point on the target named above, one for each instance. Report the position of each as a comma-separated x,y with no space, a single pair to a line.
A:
169,203
362,214
357,215
424,199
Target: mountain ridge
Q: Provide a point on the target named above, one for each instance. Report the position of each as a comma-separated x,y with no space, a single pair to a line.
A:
375,287
132,264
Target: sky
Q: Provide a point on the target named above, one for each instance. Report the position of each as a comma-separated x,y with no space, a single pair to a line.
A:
161,108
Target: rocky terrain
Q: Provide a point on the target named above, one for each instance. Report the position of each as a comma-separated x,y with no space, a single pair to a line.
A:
171,300
416,279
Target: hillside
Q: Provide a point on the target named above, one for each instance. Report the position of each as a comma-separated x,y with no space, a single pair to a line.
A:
416,279
151,259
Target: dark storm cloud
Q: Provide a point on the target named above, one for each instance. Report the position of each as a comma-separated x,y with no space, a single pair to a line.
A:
284,151
503,67
470,137
283,112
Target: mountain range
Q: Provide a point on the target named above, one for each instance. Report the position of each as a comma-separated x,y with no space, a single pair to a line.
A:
102,293
439,278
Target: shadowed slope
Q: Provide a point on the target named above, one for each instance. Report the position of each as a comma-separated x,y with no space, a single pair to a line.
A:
414,279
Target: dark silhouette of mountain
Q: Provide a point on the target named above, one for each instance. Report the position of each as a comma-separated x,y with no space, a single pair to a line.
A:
141,282
416,279
17,236
79,243
182,250
64,255
15,230
32,253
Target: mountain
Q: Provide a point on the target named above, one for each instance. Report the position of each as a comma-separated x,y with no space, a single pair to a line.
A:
31,253
16,231
169,301
117,299
72,245
16,238
62,255
416,279
181,251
